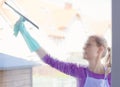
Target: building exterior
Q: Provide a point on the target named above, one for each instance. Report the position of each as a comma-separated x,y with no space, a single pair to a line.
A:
15,72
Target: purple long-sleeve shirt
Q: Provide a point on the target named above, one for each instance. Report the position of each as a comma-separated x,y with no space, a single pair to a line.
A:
74,70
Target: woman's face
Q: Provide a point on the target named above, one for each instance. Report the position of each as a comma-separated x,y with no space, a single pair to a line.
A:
90,49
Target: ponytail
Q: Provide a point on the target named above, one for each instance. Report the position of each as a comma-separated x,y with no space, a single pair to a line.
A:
108,62
109,59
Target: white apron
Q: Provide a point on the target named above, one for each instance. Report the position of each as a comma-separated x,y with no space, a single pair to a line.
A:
93,82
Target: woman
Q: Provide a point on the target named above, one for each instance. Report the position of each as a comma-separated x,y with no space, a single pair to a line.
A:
95,75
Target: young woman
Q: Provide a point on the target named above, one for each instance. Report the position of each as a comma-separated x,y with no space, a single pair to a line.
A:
95,75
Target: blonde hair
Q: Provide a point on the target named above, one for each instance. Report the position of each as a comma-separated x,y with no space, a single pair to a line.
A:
100,41
109,59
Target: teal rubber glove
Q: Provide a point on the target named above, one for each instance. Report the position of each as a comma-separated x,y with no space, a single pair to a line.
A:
20,27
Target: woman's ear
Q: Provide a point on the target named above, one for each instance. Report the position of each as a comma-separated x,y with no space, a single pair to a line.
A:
101,50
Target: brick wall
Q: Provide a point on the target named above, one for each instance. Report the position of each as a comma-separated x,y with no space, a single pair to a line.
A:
16,78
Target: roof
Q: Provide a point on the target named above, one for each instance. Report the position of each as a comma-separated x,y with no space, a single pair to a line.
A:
8,62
